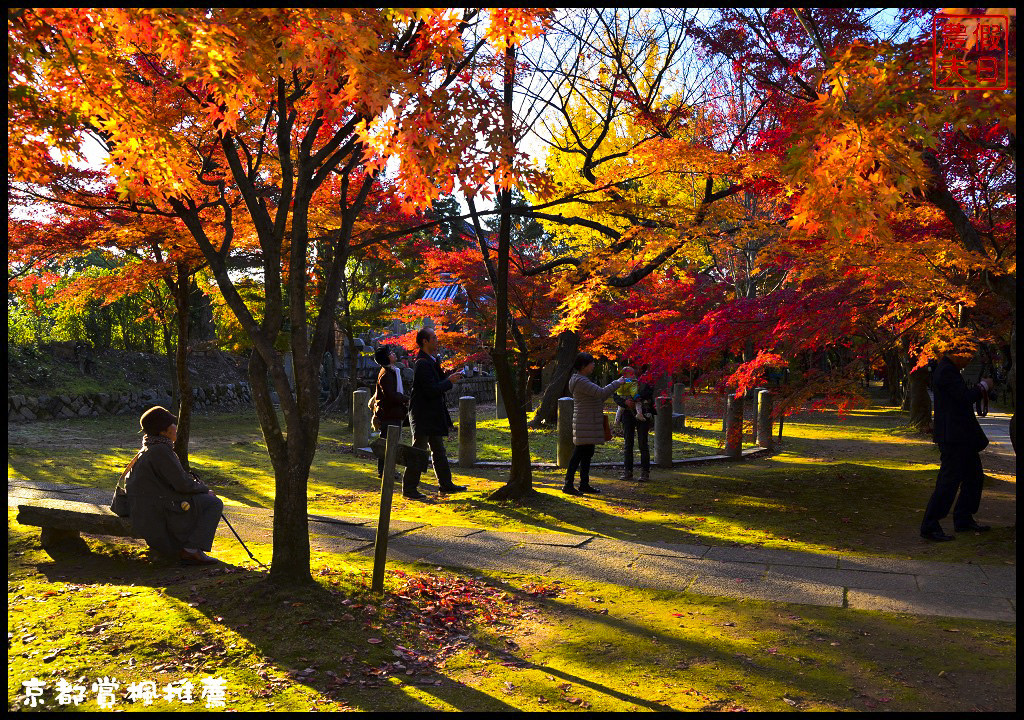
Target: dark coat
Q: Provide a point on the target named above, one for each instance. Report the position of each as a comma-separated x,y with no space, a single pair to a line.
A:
645,396
955,422
391,406
428,411
156,486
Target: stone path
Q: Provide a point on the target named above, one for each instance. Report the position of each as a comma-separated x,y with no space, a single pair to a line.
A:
987,592
997,428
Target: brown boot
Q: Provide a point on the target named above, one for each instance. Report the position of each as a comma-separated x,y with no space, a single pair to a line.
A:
645,476
627,476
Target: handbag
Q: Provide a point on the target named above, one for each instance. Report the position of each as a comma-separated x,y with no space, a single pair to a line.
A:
119,502
607,428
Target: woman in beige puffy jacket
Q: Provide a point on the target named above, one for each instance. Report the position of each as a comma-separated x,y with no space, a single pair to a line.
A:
587,421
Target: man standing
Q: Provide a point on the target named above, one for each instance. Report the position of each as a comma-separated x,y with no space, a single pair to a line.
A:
428,415
960,438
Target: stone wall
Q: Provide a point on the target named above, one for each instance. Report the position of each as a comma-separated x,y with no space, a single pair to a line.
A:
25,408
479,386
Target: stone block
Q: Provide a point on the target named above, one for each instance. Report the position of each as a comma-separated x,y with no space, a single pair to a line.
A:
842,578
961,572
772,556
554,539
980,607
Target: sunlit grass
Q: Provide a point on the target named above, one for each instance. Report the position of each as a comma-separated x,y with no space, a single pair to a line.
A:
593,646
850,485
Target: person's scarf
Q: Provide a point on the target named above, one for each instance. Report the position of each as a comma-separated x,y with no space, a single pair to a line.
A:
148,440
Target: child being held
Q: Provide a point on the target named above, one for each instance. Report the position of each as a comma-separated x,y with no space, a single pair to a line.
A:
630,391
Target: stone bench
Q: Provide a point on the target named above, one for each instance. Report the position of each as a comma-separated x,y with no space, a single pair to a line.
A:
61,521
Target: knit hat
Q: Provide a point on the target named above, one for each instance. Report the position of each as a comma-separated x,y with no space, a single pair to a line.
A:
157,419
383,356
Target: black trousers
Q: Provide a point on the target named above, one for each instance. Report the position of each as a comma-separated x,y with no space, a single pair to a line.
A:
442,471
959,469
209,508
580,460
632,427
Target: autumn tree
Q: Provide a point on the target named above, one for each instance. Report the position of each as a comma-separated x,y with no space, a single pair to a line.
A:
867,143
216,117
794,217
76,215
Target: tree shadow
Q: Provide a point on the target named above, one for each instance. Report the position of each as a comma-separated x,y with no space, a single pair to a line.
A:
293,628
823,624
880,511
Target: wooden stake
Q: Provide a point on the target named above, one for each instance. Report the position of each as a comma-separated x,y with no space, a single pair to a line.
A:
387,484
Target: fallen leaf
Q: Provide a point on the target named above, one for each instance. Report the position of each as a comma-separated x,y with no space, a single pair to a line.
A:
374,641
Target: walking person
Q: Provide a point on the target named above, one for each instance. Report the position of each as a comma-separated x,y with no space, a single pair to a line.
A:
637,416
391,404
588,421
175,513
428,415
960,438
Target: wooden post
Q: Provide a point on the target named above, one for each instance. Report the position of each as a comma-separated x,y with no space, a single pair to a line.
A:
387,484
663,432
467,431
565,444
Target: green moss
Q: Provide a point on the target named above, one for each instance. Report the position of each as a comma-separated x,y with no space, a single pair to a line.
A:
594,646
850,485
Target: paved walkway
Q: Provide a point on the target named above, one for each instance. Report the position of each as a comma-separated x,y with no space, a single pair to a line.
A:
987,592
997,429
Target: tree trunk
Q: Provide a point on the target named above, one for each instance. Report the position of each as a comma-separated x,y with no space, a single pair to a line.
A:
171,356
520,481
291,459
183,304
920,402
893,377
565,356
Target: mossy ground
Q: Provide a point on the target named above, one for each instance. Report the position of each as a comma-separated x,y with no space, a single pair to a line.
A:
857,484
525,643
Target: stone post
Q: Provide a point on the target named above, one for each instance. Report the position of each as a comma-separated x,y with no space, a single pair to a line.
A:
734,427
678,407
360,419
764,419
565,444
467,431
499,411
663,432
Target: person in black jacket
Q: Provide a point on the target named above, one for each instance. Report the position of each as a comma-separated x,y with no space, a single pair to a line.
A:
960,438
428,415
632,428
391,404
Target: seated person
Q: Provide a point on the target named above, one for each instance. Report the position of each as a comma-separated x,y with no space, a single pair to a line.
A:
175,513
